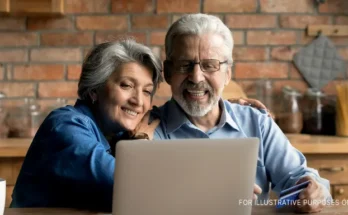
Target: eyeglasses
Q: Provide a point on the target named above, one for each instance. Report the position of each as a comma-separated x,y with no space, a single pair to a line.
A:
186,66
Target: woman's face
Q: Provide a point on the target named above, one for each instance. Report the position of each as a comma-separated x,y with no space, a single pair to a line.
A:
126,96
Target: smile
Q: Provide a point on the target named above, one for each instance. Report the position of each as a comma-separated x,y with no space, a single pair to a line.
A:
130,112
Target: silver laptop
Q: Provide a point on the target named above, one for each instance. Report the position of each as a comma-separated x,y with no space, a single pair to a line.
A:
184,177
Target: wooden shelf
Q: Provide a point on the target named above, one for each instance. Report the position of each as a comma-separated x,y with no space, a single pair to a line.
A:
32,7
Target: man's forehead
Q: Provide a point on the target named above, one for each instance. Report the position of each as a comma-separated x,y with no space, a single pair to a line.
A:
188,45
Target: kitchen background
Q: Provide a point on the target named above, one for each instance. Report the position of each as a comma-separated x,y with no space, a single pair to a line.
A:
41,57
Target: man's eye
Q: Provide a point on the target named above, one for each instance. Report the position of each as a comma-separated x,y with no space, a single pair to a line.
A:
148,92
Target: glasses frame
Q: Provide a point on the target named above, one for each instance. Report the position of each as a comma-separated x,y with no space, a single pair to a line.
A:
192,64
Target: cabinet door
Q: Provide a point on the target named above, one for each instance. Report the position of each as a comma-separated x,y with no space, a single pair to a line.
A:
332,167
340,192
9,190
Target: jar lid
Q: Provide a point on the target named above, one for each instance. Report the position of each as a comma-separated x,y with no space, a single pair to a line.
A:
287,90
2,95
315,92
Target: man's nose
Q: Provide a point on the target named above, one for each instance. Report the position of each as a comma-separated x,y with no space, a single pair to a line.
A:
197,75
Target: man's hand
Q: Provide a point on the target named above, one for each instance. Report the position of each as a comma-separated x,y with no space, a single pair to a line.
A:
311,199
251,102
257,191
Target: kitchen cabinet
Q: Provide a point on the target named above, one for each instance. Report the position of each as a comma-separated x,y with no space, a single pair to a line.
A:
32,7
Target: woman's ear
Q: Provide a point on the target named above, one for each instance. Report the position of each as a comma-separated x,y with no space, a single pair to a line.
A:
93,96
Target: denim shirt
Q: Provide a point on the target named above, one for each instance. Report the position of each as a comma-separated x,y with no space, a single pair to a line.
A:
279,164
68,164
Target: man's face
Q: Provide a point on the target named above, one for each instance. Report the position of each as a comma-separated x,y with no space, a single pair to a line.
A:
198,92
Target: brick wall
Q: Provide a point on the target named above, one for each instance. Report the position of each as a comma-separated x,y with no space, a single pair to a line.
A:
41,57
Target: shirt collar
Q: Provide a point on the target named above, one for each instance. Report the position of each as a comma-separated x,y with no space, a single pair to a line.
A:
84,108
177,117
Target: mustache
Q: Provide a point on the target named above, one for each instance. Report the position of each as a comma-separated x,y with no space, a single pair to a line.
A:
192,86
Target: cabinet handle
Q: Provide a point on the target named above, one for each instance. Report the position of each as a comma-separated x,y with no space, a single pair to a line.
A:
331,169
340,191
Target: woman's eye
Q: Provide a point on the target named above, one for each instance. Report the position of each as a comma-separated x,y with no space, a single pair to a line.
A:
126,86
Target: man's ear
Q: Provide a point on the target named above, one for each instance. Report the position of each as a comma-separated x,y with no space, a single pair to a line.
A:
228,75
167,65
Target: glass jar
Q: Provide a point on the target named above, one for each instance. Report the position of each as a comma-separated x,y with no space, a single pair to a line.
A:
3,115
60,102
265,93
319,113
36,117
289,117
18,120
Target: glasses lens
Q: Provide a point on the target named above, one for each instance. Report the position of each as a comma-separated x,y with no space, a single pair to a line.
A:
210,65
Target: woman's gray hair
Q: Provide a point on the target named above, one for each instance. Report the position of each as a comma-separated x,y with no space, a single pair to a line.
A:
105,58
198,24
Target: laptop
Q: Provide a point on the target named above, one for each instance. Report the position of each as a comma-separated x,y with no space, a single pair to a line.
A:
184,177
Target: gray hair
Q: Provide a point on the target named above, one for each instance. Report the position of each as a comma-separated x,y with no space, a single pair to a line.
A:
105,58
198,24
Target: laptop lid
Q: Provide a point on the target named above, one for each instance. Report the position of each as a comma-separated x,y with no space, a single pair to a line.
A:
187,176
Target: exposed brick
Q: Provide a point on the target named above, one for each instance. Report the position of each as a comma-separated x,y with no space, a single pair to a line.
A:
55,54
18,39
305,39
145,21
330,88
60,89
334,6
87,6
13,55
238,37
178,6
226,6
64,23
251,21
261,70
339,40
271,37
249,53
74,71
284,53
343,53
101,37
302,21
176,17
101,22
132,6
1,72
17,89
287,6
341,20
159,52
249,87
294,73
9,23
38,72
157,38
67,39
300,85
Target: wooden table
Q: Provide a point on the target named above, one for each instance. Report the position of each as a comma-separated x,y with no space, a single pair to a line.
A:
259,210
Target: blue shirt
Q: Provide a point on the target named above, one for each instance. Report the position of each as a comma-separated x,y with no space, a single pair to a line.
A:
68,164
279,164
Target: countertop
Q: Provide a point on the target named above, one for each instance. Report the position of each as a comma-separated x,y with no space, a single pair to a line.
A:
307,144
257,210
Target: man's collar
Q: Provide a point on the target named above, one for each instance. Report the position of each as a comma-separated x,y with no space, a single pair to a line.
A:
176,117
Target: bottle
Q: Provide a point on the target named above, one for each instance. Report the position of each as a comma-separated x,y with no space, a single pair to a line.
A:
3,115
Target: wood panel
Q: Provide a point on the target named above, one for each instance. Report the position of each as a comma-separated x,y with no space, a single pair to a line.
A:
332,167
9,190
340,192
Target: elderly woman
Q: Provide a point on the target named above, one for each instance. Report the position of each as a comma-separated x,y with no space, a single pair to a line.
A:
70,163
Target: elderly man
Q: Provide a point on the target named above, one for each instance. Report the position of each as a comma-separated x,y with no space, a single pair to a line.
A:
198,67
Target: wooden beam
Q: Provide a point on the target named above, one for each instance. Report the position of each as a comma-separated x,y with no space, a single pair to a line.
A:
328,30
